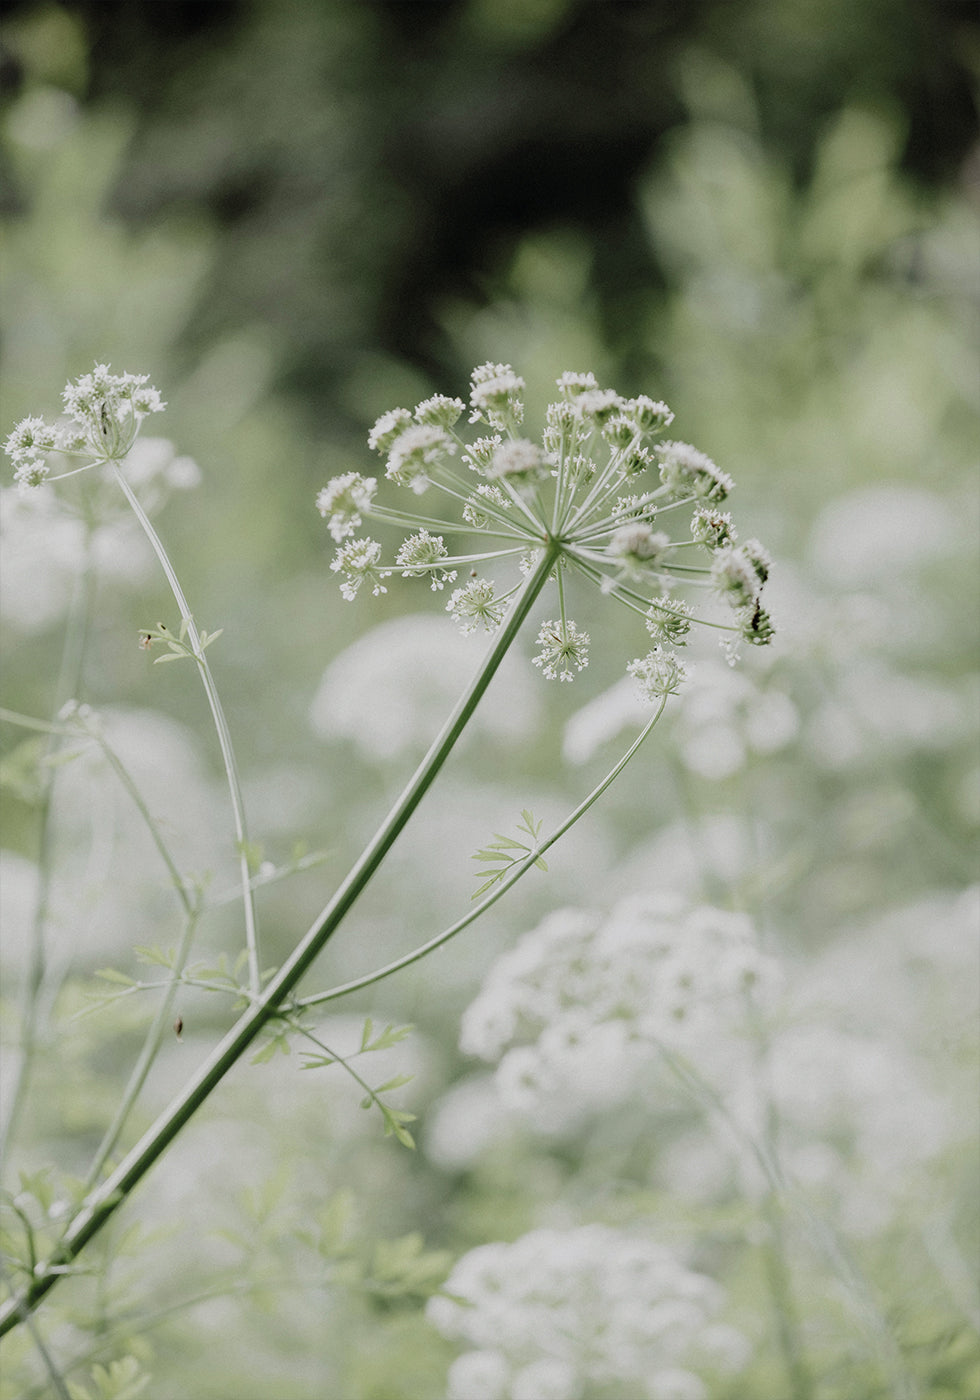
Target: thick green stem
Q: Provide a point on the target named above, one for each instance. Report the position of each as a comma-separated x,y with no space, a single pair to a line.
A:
102,1203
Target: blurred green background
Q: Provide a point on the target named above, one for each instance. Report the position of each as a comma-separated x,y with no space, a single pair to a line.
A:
294,215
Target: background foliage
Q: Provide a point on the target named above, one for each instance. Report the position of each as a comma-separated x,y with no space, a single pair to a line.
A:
294,215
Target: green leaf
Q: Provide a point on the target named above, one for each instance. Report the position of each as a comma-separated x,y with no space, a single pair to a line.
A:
391,1035
20,769
157,956
111,974
394,1125
123,1379
396,1083
275,1045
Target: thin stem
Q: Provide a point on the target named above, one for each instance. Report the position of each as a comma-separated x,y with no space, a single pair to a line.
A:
103,1202
385,516
69,679
148,1054
220,724
58,1386
155,1032
519,869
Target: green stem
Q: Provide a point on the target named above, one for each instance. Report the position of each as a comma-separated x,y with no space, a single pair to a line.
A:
69,678
103,1202
220,724
519,869
148,1054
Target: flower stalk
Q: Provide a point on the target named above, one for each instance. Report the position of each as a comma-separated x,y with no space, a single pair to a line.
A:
102,1203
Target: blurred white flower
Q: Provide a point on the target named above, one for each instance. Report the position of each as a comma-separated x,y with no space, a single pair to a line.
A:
478,1375
877,710
880,531
583,1003
726,716
464,1122
587,1306
858,1120
390,690
43,544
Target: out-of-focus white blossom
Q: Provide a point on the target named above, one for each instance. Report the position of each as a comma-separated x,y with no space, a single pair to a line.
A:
584,1001
591,1306
357,701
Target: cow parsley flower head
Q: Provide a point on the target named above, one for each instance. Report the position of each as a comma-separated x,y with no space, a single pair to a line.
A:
560,1313
420,555
358,561
563,645
344,500
496,394
475,605
584,1001
594,501
104,413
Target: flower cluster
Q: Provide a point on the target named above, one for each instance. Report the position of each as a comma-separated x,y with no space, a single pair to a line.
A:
582,1000
596,495
104,411
558,1311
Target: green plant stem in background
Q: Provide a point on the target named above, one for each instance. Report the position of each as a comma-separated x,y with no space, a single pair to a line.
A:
102,1203
69,679
191,911
220,724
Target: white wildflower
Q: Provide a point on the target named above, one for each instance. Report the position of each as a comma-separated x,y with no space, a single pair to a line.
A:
572,1311
420,554
343,499
563,645
415,453
687,472
657,674
474,605
358,561
496,397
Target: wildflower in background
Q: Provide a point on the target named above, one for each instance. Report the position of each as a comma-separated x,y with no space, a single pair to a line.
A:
558,1312
582,1001
597,494
105,411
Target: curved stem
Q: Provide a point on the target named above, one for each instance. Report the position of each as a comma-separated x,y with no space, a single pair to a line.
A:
519,869
220,724
102,1203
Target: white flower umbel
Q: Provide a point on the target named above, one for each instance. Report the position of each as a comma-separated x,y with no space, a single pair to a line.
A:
475,605
420,555
583,1000
358,562
563,645
560,1313
344,500
104,410
597,496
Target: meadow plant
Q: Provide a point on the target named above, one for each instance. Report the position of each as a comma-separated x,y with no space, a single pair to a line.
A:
558,1310
492,522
